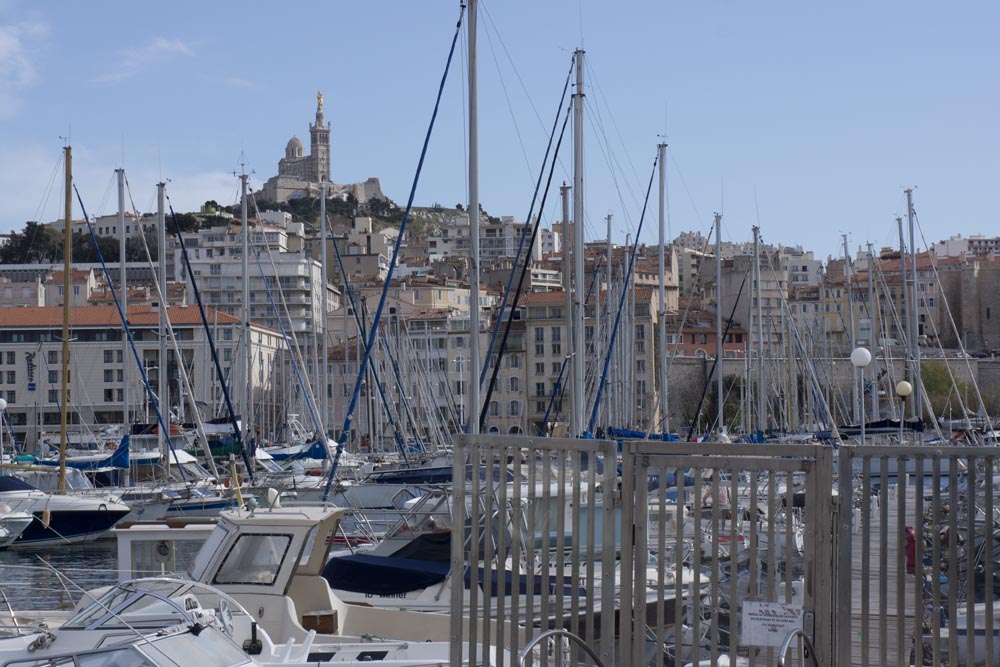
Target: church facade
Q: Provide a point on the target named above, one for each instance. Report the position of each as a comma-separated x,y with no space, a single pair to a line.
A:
302,175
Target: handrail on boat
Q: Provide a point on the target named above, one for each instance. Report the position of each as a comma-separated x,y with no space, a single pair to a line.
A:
785,645
557,632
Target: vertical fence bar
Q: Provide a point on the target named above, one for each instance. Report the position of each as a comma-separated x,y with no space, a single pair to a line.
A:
953,584
866,562
546,550
518,536
883,583
733,566
714,584
575,531
936,561
988,532
608,552
844,556
772,546
489,568
900,560
629,490
457,550
503,516
640,551
697,558
607,497
752,591
474,549
918,562
970,559
661,565
531,566
679,505
560,555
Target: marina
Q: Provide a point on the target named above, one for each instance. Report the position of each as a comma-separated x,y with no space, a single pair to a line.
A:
310,426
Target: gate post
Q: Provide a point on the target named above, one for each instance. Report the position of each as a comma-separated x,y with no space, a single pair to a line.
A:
844,566
821,576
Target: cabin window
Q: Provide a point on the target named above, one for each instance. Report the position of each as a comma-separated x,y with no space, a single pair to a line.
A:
253,559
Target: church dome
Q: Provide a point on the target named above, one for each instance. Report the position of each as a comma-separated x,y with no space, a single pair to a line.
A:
294,148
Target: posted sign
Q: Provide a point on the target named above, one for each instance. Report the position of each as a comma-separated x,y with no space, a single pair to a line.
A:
768,623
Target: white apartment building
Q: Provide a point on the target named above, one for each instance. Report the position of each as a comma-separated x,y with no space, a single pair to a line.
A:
30,364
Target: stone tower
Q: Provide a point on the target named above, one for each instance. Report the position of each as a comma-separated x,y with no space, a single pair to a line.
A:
319,146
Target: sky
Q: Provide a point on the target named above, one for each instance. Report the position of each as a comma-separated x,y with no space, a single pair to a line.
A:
808,119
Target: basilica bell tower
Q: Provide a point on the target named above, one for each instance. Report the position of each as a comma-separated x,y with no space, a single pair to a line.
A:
319,146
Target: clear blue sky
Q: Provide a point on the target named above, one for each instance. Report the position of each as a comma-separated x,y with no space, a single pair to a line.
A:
822,112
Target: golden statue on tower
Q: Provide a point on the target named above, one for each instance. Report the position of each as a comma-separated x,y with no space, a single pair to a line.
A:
319,102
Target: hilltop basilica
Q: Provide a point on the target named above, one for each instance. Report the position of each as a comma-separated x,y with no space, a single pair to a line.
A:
301,175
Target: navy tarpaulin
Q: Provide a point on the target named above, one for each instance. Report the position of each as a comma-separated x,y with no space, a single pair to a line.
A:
383,575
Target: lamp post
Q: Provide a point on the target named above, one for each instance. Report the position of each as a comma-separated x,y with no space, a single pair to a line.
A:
860,358
903,390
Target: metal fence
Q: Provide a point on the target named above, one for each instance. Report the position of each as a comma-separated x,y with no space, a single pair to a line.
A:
916,575
732,549
534,531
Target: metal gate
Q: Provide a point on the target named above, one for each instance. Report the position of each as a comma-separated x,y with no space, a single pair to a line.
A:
730,548
917,581
534,525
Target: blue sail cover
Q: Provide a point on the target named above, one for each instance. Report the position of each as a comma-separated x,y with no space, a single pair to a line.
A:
118,459
629,434
315,451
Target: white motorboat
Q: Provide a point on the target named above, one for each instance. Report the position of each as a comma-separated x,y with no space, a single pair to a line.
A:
58,519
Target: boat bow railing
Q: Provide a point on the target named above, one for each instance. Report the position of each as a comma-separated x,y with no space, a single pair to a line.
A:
522,657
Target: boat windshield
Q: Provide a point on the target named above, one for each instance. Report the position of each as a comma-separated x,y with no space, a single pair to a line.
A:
157,604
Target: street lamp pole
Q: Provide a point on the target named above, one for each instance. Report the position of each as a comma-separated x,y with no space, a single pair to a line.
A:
860,358
903,390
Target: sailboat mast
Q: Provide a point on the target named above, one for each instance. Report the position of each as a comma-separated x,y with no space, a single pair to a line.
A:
661,351
873,334
906,306
759,321
567,283
578,223
67,285
718,321
918,404
855,407
247,351
474,365
123,297
325,324
610,410
163,374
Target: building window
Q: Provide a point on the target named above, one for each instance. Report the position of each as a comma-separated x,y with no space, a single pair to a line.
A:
556,349
53,357
109,395
515,384
640,332
11,377
53,377
515,409
540,389
540,352
513,361
494,408
640,365
541,406
540,334
10,359
556,333
53,395
539,368
640,347
109,356
556,367
459,387
109,375
588,332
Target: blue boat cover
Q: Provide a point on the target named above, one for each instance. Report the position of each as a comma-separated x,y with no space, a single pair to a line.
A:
383,575
118,459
